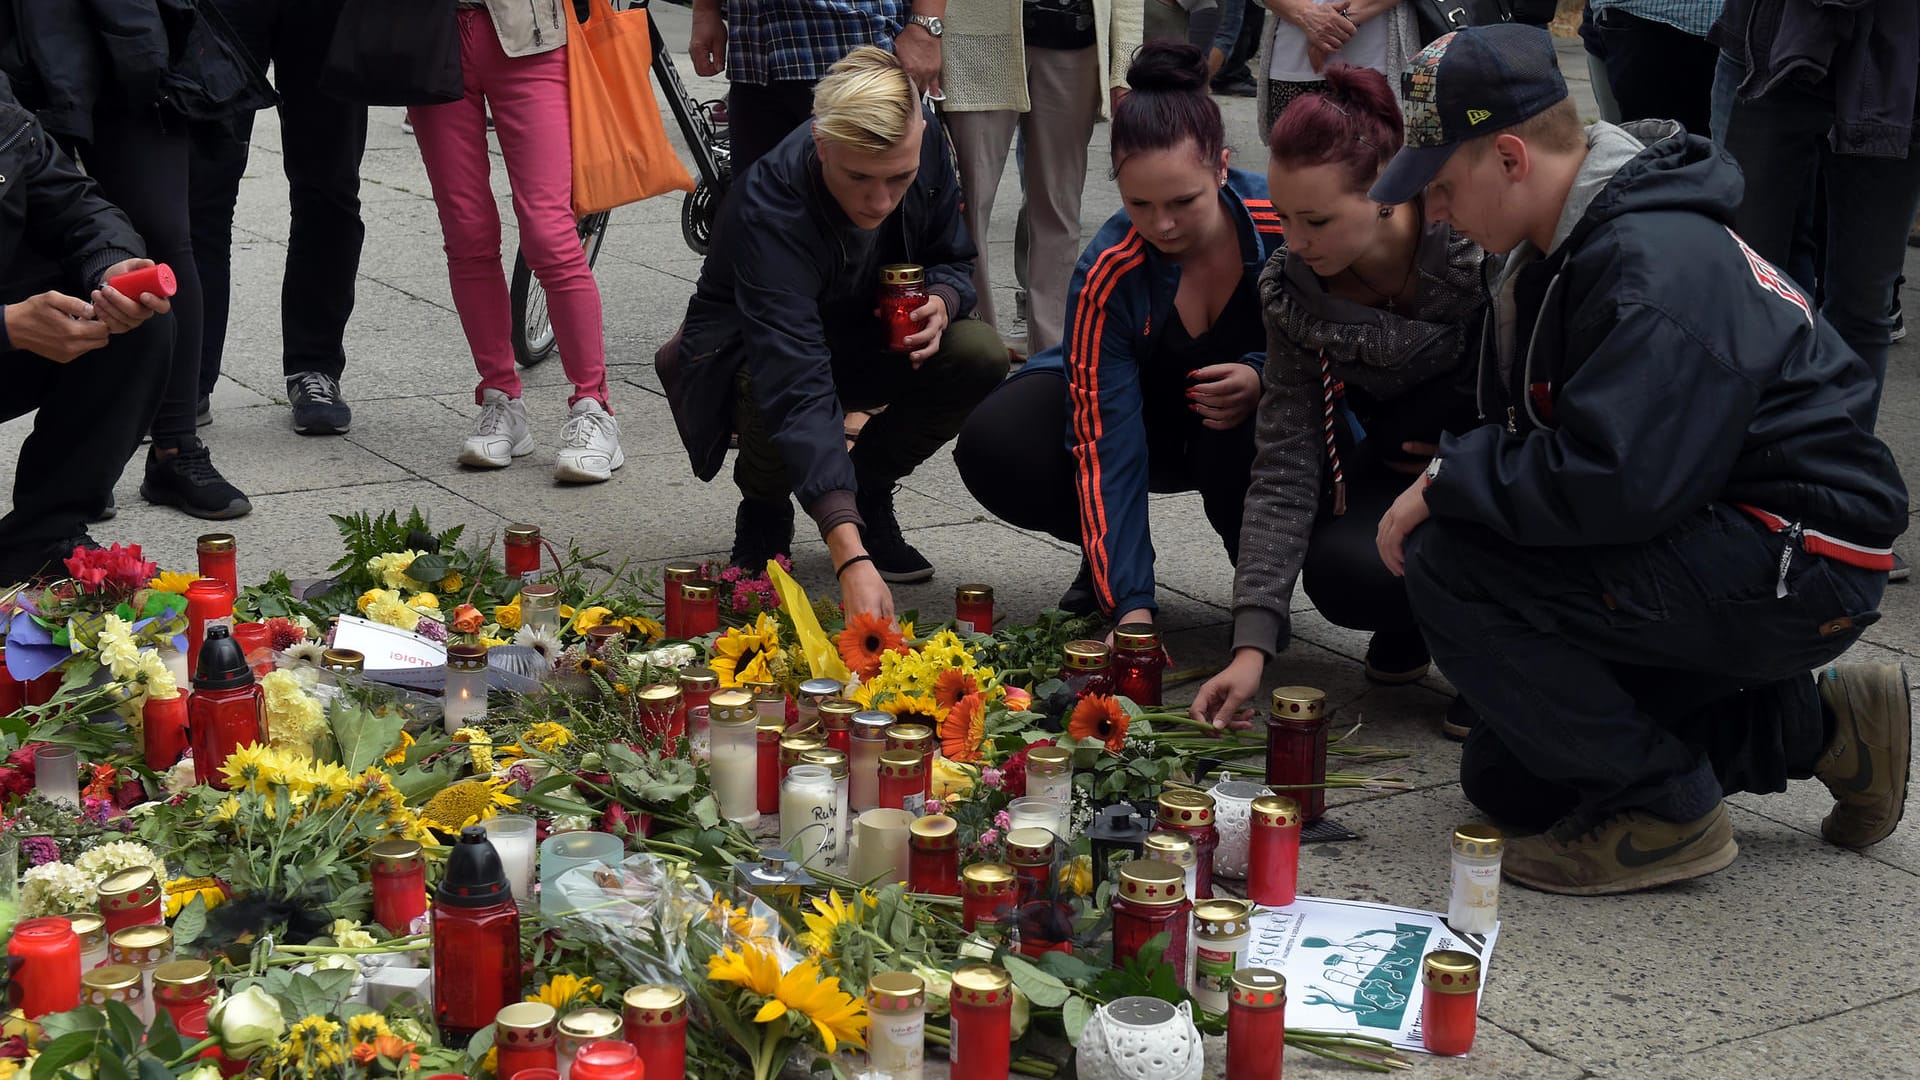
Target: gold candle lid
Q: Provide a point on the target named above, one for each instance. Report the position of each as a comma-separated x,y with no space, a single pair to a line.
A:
901,763
1222,917
903,274
834,760
185,975
1173,848
215,543
111,979
1029,847
1450,971
731,707
987,879
396,856
1478,839
130,888
1299,703
525,1023
682,572
982,984
660,695
1276,812
837,713
1137,637
1049,761
589,1024
91,927
973,594
909,736
655,1006
139,944
343,660
464,657
520,535
699,679
697,592
896,991
1257,988
770,724
1186,809
1153,882
1086,655
937,832
793,746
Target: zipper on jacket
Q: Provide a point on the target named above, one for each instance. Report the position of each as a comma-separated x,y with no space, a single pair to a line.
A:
1526,371
1793,533
11,139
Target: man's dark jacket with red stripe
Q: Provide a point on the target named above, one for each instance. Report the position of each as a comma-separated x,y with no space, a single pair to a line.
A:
1121,299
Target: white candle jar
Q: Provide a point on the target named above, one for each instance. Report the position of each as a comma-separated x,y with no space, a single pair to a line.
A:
1233,817
731,726
807,798
896,1026
1141,1038
464,702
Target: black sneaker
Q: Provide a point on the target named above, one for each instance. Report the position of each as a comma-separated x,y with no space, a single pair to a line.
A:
1397,657
188,481
318,408
1901,571
1079,598
107,512
1242,85
46,563
1460,718
762,529
203,413
897,560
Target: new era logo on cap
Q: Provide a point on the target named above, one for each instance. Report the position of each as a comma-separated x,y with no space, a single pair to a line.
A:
1468,83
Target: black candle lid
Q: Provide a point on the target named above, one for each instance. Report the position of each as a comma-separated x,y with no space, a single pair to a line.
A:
474,876
223,664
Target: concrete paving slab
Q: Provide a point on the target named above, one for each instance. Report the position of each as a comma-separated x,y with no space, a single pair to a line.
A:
1872,1040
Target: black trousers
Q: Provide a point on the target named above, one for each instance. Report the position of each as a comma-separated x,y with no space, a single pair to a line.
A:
322,140
1652,676
1013,457
758,117
140,163
92,414
1343,574
1659,71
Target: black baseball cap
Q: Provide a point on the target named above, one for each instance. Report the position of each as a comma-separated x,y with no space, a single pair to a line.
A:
1466,84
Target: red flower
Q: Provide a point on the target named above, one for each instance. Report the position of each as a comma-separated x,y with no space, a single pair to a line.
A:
1013,772
129,794
118,569
284,634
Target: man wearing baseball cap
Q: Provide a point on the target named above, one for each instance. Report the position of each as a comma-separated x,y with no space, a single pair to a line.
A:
1674,511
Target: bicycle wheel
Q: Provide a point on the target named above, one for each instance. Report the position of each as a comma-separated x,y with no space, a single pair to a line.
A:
533,340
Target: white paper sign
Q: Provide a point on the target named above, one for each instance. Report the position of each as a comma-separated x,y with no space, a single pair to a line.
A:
1352,966
387,648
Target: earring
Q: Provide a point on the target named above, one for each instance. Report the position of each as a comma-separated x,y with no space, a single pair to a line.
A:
1386,212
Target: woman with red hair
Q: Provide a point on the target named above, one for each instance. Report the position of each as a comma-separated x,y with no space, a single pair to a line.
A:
1367,310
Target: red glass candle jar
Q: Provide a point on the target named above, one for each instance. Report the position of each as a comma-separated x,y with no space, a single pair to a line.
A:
49,972
933,856
987,893
163,731
476,940
656,1025
973,609
1297,748
673,578
903,291
526,1035
1273,851
902,780
1030,853
1152,900
1191,813
132,897
982,1005
661,714
256,645
609,1061
919,739
226,711
41,690
699,609
13,692
1256,1024
209,603
217,559
1087,669
1139,663
1447,1009
836,723
768,733
399,885
182,986
522,550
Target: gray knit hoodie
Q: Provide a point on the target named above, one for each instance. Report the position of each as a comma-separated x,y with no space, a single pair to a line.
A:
1386,354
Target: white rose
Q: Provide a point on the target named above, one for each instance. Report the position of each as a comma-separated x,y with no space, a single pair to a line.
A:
247,1023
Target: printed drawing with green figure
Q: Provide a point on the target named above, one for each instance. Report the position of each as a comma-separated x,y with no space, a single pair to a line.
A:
1352,966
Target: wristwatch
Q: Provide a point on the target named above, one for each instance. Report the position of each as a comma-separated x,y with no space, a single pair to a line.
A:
930,23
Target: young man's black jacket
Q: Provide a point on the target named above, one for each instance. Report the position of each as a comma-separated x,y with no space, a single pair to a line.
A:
781,295
1658,364
55,228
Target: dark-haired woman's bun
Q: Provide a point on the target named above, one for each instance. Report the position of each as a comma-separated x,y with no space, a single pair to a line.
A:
1360,87
1168,67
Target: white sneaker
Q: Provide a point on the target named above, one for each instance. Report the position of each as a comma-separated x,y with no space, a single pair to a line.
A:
500,433
589,445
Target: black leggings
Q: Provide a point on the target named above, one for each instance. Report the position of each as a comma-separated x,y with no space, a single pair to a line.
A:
1013,457
1343,574
142,169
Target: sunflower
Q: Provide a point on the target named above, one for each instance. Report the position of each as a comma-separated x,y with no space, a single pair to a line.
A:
568,992
753,968
1100,717
181,891
964,728
866,640
952,685
469,801
740,656
173,581
837,1016
915,710
833,914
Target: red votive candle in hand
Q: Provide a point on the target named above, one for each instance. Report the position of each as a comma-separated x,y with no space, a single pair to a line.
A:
157,279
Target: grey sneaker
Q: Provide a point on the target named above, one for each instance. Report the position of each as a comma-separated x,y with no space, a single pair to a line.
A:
589,445
1866,765
318,408
1626,852
500,433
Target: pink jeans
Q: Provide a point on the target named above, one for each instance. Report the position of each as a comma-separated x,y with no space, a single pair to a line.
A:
528,96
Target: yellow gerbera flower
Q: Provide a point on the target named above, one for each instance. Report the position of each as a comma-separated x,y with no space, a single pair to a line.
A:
465,803
567,992
254,768
173,581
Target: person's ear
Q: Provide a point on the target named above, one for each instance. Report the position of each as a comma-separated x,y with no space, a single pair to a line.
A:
1516,163
1226,156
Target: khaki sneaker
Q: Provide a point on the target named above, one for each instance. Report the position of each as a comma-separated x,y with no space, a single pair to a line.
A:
1627,852
1866,764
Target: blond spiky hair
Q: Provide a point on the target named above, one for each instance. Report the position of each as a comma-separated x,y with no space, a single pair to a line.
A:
866,102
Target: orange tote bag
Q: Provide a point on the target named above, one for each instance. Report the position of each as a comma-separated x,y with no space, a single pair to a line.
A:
620,148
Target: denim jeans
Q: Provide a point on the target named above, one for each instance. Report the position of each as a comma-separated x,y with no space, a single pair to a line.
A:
1780,141
1652,676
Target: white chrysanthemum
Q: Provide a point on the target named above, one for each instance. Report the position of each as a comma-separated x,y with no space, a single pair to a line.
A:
56,888
673,656
102,861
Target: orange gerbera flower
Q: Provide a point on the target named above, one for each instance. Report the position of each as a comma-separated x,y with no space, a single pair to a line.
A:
952,685
391,1047
866,639
964,728
1100,717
